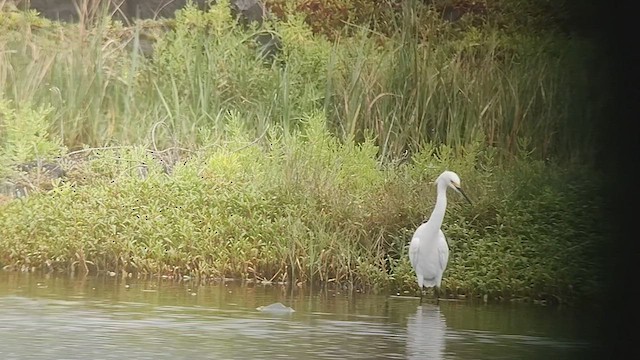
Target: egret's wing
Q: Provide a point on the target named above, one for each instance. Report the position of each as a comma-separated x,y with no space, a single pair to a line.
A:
414,249
443,250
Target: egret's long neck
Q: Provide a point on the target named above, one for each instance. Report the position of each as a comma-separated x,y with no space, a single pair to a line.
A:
441,205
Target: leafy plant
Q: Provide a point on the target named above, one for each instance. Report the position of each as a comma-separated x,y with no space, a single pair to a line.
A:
24,134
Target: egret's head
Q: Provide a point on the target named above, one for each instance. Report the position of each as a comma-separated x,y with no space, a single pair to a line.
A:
452,180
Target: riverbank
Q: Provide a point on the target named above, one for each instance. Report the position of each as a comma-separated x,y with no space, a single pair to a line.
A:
312,209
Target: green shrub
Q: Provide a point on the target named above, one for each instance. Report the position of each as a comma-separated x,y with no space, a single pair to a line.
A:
24,134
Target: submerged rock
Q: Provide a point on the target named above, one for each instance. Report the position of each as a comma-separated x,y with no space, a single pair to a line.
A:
276,308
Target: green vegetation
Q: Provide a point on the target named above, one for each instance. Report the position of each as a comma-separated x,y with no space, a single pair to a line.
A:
206,160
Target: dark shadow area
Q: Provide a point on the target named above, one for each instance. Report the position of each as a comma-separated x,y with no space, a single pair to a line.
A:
617,159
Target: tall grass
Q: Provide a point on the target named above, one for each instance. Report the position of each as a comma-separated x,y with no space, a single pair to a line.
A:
458,87
427,83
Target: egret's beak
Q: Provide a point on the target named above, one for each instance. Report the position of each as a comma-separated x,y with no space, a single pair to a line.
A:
459,189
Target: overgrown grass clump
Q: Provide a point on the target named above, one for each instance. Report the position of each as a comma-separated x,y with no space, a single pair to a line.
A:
206,159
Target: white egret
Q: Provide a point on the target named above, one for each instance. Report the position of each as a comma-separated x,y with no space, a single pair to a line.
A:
428,251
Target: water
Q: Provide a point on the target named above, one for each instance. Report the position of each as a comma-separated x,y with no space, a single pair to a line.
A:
59,317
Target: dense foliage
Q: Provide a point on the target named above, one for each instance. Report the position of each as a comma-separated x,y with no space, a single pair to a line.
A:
210,160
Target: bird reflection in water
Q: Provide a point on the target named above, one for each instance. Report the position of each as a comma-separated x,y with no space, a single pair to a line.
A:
426,333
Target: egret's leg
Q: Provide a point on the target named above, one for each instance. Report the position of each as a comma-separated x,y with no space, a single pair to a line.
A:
436,291
421,295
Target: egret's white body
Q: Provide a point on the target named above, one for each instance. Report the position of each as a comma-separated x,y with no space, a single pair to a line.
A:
428,250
